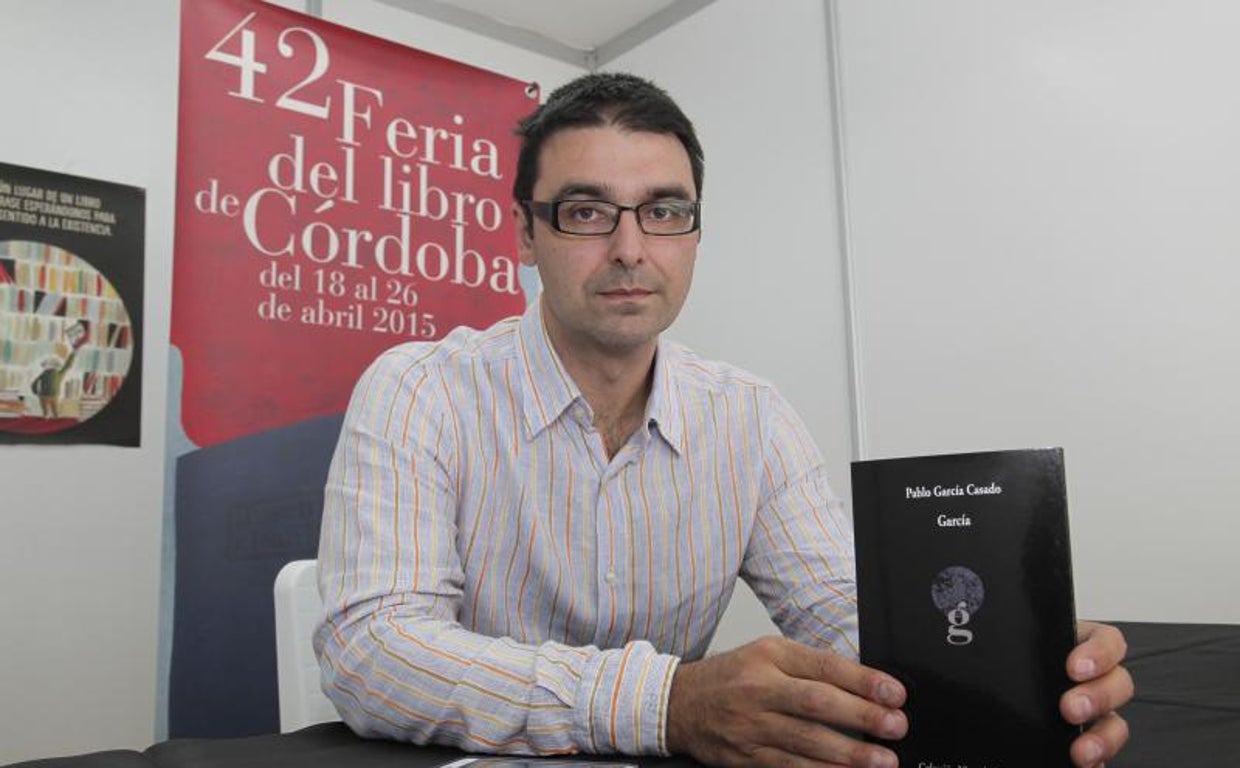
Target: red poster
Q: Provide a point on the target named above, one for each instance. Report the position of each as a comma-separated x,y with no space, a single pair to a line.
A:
336,194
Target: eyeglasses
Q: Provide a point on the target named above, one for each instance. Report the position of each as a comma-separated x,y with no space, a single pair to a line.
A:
596,218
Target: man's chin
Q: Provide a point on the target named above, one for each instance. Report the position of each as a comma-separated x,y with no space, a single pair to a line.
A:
630,333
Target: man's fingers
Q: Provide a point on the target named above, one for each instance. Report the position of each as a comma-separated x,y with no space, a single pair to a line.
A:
771,757
1101,742
1100,647
778,703
807,663
1095,698
817,744
822,702
1103,685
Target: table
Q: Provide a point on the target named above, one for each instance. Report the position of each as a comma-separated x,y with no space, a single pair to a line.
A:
1186,712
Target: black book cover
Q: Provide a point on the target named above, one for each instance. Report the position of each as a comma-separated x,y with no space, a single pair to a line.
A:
964,581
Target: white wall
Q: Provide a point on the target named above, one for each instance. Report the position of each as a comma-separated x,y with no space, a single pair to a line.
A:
1044,203
90,89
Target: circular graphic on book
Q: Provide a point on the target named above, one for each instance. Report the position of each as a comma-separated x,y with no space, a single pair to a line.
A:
955,586
66,341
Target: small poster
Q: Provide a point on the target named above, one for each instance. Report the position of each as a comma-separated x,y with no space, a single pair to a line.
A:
71,264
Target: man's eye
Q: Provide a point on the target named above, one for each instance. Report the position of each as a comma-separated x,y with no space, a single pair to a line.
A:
585,212
666,211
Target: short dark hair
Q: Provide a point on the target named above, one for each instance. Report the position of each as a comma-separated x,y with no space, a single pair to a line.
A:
603,98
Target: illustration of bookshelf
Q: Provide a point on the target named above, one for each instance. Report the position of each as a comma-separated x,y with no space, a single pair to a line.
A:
58,313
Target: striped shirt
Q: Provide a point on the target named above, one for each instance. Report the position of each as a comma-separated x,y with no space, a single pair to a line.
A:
493,581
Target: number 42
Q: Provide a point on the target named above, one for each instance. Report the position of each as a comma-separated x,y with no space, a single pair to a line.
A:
248,66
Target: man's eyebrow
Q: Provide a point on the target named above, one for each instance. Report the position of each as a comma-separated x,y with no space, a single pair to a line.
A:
675,191
576,189
606,192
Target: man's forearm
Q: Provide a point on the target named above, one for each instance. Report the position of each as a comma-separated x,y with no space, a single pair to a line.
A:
426,680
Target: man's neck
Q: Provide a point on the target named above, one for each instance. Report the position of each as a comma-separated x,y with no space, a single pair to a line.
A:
616,384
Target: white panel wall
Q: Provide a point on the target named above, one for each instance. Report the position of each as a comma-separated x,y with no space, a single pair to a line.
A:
1044,202
89,89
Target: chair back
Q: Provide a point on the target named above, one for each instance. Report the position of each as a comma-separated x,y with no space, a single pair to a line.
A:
298,611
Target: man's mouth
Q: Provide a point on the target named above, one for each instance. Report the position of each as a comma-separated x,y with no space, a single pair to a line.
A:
626,293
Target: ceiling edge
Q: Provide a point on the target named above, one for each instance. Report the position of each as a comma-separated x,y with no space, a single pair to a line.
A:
497,30
643,31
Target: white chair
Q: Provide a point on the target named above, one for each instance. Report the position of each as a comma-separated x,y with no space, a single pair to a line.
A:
298,610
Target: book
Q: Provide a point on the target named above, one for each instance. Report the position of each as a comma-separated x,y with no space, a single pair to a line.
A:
964,583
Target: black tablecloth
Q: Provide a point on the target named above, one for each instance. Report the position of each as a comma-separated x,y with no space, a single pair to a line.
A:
329,745
1187,708
1186,713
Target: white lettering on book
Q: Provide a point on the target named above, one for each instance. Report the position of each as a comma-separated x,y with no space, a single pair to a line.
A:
957,618
954,521
944,491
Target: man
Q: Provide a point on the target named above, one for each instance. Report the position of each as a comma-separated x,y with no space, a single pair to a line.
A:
531,531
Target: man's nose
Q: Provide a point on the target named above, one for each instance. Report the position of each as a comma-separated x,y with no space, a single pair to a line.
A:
627,244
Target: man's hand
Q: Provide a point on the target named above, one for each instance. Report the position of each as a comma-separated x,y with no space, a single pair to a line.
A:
776,702
1102,686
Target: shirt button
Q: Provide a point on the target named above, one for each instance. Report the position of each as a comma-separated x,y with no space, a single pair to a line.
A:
611,577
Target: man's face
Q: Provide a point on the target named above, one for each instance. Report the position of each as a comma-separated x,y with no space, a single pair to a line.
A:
610,295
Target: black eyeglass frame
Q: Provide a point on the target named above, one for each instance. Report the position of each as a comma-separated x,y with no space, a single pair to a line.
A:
549,211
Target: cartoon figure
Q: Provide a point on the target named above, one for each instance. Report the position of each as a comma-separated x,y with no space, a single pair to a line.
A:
47,385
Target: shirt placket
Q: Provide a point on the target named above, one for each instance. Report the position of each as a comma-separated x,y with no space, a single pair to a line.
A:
618,612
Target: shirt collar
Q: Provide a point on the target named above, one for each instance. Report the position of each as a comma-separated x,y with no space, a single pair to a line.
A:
663,409
549,391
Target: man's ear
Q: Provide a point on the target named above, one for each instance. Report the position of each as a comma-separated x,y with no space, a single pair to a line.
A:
525,235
